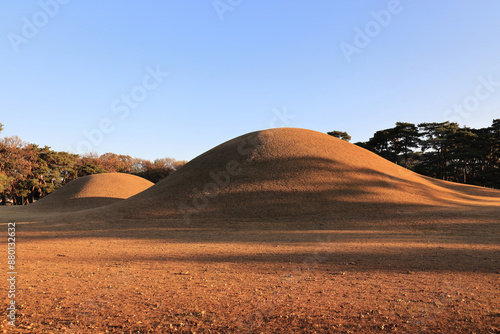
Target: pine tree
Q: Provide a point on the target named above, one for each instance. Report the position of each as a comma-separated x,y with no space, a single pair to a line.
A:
340,134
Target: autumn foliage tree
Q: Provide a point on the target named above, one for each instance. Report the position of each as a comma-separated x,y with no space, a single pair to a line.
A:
441,150
29,172
17,164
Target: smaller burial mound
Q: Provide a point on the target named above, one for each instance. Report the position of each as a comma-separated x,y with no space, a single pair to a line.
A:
91,192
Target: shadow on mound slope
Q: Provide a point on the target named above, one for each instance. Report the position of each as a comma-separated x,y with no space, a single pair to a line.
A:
290,172
91,192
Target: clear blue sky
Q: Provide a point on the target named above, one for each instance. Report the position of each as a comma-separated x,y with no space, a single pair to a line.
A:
69,69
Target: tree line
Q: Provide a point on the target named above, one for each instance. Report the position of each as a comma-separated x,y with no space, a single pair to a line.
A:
29,172
441,150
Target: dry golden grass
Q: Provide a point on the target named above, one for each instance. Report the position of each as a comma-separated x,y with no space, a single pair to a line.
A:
296,173
92,191
313,235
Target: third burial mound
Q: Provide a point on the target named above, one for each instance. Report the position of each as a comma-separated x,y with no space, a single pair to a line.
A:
290,172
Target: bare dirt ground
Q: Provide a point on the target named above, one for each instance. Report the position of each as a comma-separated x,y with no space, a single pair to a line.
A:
411,274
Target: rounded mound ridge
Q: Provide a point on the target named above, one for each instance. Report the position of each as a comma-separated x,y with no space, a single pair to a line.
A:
92,191
289,172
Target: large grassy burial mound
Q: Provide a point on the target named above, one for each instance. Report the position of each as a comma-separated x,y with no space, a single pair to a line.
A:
91,192
289,172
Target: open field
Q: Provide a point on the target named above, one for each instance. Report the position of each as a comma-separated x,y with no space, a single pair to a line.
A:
254,277
295,242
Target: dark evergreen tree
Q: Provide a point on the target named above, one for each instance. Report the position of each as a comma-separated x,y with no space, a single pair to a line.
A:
340,134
